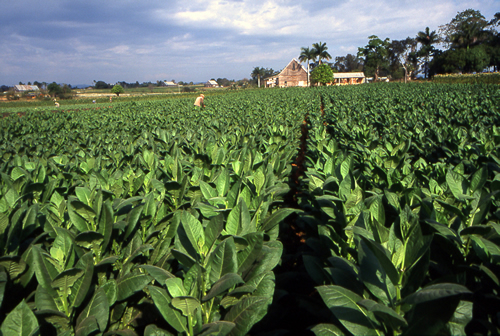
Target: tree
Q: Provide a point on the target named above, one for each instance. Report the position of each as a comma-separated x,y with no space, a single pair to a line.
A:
307,55
348,63
257,73
426,39
375,55
494,44
320,51
101,85
402,55
117,89
54,89
470,42
322,74
466,29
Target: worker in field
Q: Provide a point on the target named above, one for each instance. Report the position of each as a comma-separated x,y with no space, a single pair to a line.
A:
200,101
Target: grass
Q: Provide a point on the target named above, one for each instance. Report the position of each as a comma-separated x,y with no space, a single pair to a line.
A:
132,94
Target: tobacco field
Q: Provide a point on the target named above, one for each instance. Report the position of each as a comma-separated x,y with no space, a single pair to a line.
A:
363,210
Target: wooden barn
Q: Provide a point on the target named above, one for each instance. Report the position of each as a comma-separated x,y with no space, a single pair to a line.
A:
294,74
212,83
348,78
26,88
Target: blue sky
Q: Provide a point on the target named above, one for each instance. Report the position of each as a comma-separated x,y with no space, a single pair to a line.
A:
77,42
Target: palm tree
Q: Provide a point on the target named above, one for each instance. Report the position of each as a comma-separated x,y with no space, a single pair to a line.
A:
307,55
258,72
320,50
427,39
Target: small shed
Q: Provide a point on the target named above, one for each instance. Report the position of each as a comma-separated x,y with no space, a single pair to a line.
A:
170,84
26,88
294,74
348,78
212,83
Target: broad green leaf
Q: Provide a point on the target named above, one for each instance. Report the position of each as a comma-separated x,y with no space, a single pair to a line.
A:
20,322
159,274
110,289
212,231
163,301
43,271
207,191
185,259
343,304
385,313
244,314
250,253
268,259
45,301
98,307
259,180
131,284
87,326
486,249
457,185
460,319
383,257
175,287
238,220
222,182
478,179
83,194
3,284
434,292
373,271
223,284
77,220
377,210
218,328
325,329
153,330
223,260
194,230
85,211
89,239
82,285
13,265
186,304
65,280
271,221
17,172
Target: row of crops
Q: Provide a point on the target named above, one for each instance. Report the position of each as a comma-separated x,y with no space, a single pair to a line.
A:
326,211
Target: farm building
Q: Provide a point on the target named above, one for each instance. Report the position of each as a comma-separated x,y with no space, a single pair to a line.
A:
170,84
211,83
294,74
348,78
26,88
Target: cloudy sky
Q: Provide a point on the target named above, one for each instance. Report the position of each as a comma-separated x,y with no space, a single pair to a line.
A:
77,42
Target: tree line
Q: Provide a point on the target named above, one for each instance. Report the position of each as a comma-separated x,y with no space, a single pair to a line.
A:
468,43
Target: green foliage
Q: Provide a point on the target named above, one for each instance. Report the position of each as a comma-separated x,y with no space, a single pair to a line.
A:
177,224
170,226
54,89
394,194
375,56
322,74
117,89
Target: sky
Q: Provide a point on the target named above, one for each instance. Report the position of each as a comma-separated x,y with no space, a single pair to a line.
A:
77,42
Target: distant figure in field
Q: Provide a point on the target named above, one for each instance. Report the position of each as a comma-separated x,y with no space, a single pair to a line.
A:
199,101
110,99
56,103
